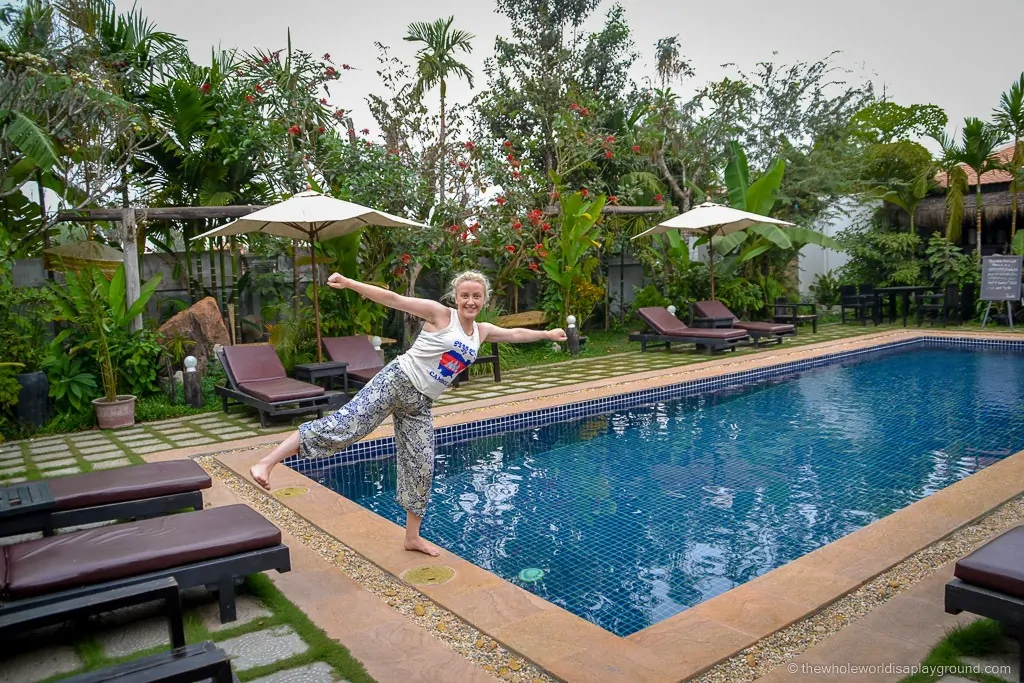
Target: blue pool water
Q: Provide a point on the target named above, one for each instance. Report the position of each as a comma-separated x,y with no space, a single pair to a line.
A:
636,515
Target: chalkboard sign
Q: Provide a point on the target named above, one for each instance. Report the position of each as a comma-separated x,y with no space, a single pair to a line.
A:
1000,278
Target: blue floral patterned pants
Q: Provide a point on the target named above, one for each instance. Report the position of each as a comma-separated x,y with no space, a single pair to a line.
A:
390,392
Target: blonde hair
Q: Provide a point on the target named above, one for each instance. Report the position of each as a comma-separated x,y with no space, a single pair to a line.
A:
470,276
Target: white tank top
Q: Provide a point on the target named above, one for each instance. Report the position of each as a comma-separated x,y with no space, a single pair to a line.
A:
436,358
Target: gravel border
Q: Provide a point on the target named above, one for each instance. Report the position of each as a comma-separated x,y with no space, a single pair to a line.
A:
461,637
782,646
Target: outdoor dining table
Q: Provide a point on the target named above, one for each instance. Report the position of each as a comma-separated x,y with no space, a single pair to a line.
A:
905,292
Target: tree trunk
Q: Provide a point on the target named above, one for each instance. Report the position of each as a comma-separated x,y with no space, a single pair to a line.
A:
978,212
409,321
440,151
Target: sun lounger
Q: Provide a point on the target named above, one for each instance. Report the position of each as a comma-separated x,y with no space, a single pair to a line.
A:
670,330
182,663
136,491
989,582
716,315
211,547
362,360
257,379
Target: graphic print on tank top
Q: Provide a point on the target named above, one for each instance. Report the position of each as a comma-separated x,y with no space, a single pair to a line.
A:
452,363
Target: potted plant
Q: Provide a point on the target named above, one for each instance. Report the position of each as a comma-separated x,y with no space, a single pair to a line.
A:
96,307
25,313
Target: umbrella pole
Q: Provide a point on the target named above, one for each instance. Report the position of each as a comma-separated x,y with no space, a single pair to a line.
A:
316,299
711,263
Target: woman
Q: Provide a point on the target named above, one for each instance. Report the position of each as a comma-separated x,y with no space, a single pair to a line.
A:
406,388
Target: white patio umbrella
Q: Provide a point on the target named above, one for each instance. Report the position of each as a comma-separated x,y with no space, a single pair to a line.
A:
310,216
711,219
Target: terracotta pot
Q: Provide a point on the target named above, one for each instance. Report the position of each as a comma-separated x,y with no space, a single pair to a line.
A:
119,413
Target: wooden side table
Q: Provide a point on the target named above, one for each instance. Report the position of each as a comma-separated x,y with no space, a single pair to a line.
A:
310,372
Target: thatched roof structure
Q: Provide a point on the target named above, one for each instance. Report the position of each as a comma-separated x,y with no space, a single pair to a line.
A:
931,212
78,255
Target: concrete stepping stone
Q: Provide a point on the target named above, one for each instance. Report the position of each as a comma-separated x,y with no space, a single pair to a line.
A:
263,647
99,448
1005,666
58,448
132,637
64,472
247,608
49,457
105,455
317,672
38,665
111,464
12,471
196,442
53,464
152,449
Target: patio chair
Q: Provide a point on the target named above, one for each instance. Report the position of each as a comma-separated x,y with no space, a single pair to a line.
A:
989,582
939,305
715,314
850,299
784,311
256,378
136,491
669,330
212,547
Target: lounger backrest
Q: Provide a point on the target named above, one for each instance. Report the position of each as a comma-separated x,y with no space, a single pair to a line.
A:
253,363
660,320
356,350
713,309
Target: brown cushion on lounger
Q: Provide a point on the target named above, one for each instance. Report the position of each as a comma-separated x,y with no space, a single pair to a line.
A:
108,553
997,565
356,351
281,389
364,375
254,363
770,328
662,321
128,483
712,309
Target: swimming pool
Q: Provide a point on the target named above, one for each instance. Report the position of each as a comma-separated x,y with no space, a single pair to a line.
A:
636,514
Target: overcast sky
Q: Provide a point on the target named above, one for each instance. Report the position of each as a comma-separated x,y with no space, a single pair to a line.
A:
937,52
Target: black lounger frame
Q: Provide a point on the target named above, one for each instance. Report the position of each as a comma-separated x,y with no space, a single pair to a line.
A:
1008,610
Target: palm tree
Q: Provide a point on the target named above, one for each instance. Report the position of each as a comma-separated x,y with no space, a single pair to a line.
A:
1009,116
956,185
436,63
907,196
977,151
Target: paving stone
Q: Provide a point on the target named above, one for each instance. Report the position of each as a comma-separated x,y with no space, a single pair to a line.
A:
111,464
55,448
43,443
263,647
105,455
129,433
317,672
64,472
152,449
10,456
12,480
49,457
38,665
140,443
231,436
196,442
12,471
248,608
51,464
98,448
1005,666
88,441
132,637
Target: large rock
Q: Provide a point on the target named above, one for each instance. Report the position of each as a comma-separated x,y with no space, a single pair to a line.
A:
203,324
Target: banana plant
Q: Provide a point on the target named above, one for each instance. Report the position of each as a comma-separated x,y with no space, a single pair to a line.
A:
567,252
97,306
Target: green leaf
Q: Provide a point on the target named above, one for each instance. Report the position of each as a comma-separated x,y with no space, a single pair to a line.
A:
802,236
761,195
1018,243
726,243
116,294
737,177
145,292
773,234
754,252
30,139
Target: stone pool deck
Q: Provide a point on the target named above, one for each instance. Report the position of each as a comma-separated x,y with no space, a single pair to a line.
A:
873,596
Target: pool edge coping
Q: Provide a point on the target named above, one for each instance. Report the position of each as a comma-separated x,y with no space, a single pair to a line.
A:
567,643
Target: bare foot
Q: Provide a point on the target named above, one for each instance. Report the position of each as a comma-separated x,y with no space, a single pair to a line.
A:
422,546
261,474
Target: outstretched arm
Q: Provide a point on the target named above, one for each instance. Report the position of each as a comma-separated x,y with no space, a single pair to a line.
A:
431,311
518,335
